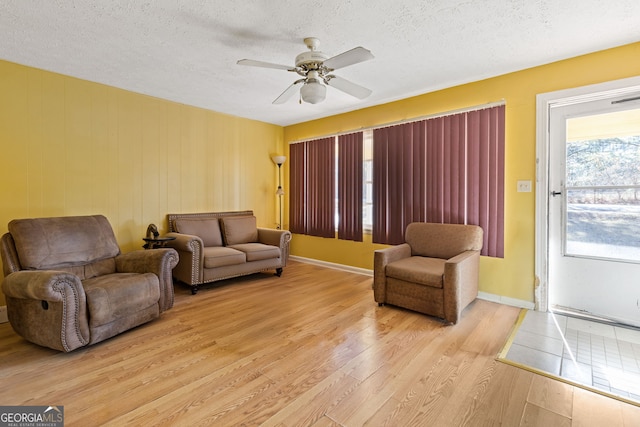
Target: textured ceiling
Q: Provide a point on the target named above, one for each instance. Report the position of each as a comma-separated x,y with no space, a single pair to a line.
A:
186,50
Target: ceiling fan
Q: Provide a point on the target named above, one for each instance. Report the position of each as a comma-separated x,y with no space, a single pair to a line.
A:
316,67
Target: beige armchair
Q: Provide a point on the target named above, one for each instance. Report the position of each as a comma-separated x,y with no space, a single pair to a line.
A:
434,272
67,285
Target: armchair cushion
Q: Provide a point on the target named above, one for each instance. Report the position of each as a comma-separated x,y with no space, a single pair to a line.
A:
239,229
115,296
417,269
207,229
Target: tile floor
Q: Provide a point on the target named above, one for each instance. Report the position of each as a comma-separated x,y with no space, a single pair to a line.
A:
598,355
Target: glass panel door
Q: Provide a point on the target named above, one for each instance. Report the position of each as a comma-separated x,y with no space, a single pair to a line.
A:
603,186
594,210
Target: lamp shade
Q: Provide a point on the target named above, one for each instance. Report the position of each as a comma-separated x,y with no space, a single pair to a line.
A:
278,160
313,92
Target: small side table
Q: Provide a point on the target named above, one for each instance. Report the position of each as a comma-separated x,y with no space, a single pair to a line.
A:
156,242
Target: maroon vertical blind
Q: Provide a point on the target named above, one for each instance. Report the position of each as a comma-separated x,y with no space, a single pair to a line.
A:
447,169
399,180
445,164
350,165
485,179
297,186
312,173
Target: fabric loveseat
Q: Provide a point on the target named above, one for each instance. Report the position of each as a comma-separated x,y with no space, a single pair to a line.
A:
434,272
67,284
214,246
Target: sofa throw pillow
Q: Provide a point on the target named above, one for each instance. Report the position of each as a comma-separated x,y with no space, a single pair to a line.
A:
207,229
239,229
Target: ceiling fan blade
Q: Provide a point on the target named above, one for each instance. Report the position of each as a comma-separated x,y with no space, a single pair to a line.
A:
348,87
350,57
254,63
288,93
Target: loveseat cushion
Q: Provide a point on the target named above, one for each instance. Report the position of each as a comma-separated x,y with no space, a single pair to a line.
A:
115,296
219,256
418,269
258,251
208,229
239,229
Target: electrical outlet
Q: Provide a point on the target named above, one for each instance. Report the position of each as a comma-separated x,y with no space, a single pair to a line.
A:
524,186
3,314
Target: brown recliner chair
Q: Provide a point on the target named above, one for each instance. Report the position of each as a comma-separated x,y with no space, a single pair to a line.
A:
434,272
67,285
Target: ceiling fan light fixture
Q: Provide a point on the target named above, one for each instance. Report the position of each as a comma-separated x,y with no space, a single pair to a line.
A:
315,67
313,92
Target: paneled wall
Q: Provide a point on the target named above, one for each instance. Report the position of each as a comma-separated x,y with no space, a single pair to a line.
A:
72,147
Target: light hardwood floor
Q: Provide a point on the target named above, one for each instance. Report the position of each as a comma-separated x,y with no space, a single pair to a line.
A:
310,348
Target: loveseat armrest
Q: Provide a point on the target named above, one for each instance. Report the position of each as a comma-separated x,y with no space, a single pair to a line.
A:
191,257
184,242
157,261
382,257
460,283
48,308
275,237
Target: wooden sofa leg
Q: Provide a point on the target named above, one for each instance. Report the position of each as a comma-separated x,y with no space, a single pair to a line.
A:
279,272
194,289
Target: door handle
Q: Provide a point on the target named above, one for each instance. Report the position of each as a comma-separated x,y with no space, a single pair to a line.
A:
556,193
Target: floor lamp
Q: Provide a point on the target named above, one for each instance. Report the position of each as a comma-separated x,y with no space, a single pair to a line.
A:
279,160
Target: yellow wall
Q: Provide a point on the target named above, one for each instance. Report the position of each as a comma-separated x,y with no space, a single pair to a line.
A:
71,147
513,276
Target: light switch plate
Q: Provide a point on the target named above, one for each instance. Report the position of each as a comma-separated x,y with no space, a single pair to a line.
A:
524,186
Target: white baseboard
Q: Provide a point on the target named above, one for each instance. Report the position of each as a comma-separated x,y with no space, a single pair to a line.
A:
333,265
482,295
506,300
3,314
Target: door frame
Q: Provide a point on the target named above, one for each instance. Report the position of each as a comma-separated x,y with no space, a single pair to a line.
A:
544,102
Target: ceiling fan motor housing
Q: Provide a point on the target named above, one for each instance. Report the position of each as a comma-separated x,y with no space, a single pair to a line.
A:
311,59
316,75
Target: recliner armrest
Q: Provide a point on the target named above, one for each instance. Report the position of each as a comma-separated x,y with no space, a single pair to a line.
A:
43,285
157,261
53,308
